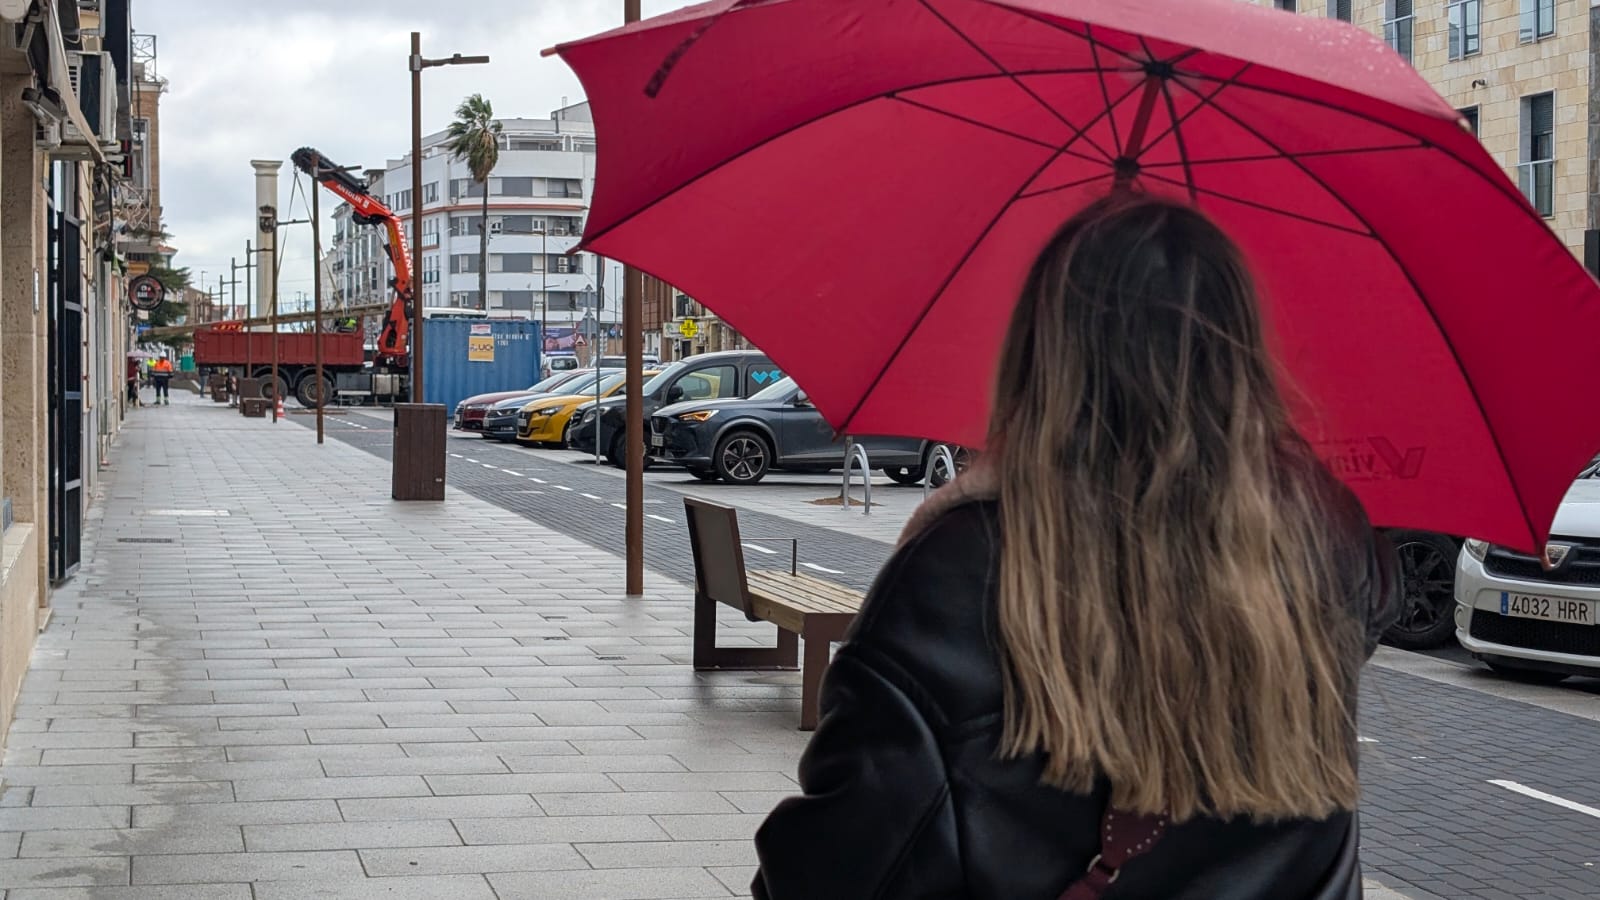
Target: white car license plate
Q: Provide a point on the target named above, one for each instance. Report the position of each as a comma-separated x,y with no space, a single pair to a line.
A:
1554,609
657,440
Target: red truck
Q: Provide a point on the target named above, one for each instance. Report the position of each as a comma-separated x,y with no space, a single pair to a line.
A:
250,352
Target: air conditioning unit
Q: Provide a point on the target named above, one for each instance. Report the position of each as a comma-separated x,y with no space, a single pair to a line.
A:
496,227
94,82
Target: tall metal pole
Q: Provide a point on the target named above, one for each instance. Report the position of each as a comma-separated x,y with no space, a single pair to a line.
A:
250,263
416,215
316,295
544,282
277,397
249,364
633,341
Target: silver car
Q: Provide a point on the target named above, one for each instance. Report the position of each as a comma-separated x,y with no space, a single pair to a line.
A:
1530,621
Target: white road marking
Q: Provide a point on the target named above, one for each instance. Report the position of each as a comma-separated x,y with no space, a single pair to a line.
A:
760,549
487,466
458,456
822,569
659,518
1366,740
537,480
590,496
513,474
471,460
560,487
1548,798
620,505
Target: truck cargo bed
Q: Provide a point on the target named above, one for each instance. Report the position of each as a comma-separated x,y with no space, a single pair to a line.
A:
232,348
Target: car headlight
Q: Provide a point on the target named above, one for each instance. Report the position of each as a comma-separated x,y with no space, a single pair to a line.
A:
700,415
588,417
547,412
1477,549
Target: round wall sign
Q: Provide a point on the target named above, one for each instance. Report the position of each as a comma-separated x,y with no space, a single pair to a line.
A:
146,292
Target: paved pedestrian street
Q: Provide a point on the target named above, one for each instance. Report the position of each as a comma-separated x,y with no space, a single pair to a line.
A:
269,681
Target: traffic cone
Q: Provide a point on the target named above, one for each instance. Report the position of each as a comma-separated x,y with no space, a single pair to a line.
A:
278,402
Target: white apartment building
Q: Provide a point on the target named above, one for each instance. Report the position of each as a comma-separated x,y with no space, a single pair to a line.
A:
538,200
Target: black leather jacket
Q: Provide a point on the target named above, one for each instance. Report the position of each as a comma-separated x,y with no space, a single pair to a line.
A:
905,796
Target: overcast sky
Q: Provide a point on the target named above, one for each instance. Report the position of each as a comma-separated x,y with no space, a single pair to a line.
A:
262,79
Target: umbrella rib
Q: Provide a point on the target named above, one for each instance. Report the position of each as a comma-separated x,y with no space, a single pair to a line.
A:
1014,79
1178,122
844,426
1065,187
1183,147
1105,90
1309,154
1254,204
1065,30
1500,184
1422,298
988,127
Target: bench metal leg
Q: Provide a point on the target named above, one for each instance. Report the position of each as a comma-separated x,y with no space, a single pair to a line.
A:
707,655
819,651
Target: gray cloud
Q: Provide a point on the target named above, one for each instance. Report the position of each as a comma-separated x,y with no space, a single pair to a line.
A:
264,79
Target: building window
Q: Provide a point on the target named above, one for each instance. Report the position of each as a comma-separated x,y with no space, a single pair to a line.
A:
1537,168
1339,9
1470,116
430,192
511,187
519,300
1285,5
1397,22
465,187
464,226
464,299
1466,18
511,262
463,263
1538,19
562,264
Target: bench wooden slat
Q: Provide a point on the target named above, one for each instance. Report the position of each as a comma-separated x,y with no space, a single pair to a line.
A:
804,593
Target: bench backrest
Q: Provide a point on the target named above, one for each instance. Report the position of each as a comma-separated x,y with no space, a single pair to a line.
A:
718,554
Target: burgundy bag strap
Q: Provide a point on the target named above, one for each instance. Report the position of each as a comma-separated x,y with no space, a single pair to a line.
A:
1123,836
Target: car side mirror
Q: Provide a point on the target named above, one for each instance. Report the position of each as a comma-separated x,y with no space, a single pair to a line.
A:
674,393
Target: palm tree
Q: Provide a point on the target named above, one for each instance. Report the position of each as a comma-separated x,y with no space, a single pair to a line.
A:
475,140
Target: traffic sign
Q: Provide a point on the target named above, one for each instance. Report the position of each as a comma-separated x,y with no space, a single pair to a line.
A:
688,328
146,292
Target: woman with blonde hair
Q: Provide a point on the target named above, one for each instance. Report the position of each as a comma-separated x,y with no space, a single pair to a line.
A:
1119,658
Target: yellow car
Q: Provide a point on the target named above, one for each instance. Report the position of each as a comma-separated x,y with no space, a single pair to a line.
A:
547,420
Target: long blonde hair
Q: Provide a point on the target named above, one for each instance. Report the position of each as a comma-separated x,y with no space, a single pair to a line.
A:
1170,613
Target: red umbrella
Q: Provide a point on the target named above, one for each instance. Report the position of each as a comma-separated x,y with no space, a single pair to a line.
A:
858,186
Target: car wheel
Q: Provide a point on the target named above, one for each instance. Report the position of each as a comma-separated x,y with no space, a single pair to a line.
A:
941,474
1527,676
705,474
905,474
1427,606
742,458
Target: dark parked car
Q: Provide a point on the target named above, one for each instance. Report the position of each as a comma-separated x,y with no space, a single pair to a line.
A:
740,441
728,375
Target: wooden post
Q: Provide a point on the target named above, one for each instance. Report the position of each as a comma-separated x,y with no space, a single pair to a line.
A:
316,301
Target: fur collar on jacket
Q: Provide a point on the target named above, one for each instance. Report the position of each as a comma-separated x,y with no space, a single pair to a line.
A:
978,482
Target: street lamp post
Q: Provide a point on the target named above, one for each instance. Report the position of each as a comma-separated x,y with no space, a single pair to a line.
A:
417,63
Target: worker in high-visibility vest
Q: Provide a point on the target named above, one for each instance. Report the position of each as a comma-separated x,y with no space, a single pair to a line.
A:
161,373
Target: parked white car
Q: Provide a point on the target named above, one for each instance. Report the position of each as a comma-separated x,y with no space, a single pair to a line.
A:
1529,622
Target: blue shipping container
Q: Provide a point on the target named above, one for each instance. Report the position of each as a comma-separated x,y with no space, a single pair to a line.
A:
463,357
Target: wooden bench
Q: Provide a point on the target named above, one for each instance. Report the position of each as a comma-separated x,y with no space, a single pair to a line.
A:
801,606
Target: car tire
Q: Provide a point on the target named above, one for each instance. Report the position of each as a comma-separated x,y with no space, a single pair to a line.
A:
742,457
905,475
1427,570
1527,676
308,394
960,455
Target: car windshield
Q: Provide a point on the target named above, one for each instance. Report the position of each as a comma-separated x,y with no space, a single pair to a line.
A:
1593,470
611,381
775,391
552,381
584,385
661,381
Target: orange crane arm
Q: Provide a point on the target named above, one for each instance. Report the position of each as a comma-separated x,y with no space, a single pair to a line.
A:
395,337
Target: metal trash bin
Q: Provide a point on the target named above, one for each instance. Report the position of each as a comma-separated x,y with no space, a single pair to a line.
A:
419,437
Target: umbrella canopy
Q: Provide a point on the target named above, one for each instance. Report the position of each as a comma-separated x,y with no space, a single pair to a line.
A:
143,354
859,187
